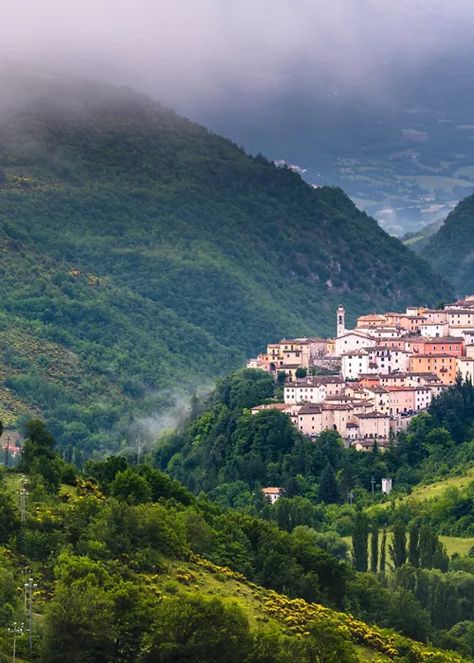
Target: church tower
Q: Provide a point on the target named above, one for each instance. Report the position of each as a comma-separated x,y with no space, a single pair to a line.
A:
341,321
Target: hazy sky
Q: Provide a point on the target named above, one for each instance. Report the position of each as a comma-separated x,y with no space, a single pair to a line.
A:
191,52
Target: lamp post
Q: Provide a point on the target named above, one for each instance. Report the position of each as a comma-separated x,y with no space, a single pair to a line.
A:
29,587
16,629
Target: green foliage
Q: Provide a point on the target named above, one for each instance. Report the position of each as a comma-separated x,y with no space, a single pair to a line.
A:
360,537
449,249
408,616
328,489
132,487
193,628
374,550
398,547
38,457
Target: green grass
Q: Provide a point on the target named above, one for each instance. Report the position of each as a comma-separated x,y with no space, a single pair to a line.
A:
435,489
456,544
249,598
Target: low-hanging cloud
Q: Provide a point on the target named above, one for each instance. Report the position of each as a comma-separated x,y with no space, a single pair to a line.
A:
190,53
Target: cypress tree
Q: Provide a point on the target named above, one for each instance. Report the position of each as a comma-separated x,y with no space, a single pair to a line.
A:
427,547
398,548
383,552
374,550
414,544
440,557
360,539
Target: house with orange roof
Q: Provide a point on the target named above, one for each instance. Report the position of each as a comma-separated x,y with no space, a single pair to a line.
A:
443,364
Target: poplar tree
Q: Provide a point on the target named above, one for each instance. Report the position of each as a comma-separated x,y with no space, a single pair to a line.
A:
374,550
383,552
414,544
398,547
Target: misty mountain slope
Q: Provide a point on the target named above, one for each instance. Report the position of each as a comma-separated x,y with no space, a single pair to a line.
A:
451,249
167,254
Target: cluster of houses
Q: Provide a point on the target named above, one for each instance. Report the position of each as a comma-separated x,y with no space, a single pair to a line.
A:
377,376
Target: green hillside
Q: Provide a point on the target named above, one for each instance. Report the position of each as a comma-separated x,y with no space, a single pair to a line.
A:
451,249
163,590
155,255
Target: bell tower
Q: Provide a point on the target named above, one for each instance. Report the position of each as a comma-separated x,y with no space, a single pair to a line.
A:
341,321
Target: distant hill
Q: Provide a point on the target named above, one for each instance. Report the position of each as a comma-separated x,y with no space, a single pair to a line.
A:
142,255
451,249
417,241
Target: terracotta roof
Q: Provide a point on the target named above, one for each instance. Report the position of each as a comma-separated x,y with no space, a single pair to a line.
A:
355,353
373,415
272,490
336,406
401,388
356,332
460,311
444,339
310,408
434,354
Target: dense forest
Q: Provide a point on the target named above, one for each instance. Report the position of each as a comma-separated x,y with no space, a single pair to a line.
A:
142,255
450,250
122,563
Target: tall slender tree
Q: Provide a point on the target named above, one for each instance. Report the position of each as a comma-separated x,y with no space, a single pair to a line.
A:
360,539
374,550
328,488
398,547
414,544
383,552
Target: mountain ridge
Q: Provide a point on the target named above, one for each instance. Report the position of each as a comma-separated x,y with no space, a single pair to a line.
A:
171,254
450,249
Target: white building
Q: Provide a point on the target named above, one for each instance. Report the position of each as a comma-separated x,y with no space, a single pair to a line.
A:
353,340
434,329
272,493
466,368
313,389
354,362
389,360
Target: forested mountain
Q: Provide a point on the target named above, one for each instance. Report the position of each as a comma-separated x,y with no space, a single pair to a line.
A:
451,249
142,254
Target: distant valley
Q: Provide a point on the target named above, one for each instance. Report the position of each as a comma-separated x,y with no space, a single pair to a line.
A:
406,159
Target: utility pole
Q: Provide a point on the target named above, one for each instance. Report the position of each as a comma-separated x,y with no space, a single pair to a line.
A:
351,497
17,629
22,497
140,445
372,481
29,587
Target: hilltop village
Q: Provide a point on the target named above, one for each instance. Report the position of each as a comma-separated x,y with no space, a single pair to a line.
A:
368,382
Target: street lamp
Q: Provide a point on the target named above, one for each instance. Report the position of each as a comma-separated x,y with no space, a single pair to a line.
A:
29,587
16,629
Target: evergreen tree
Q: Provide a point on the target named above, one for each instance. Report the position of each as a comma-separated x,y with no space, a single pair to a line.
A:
328,489
383,552
398,548
360,537
414,544
374,550
427,547
440,557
